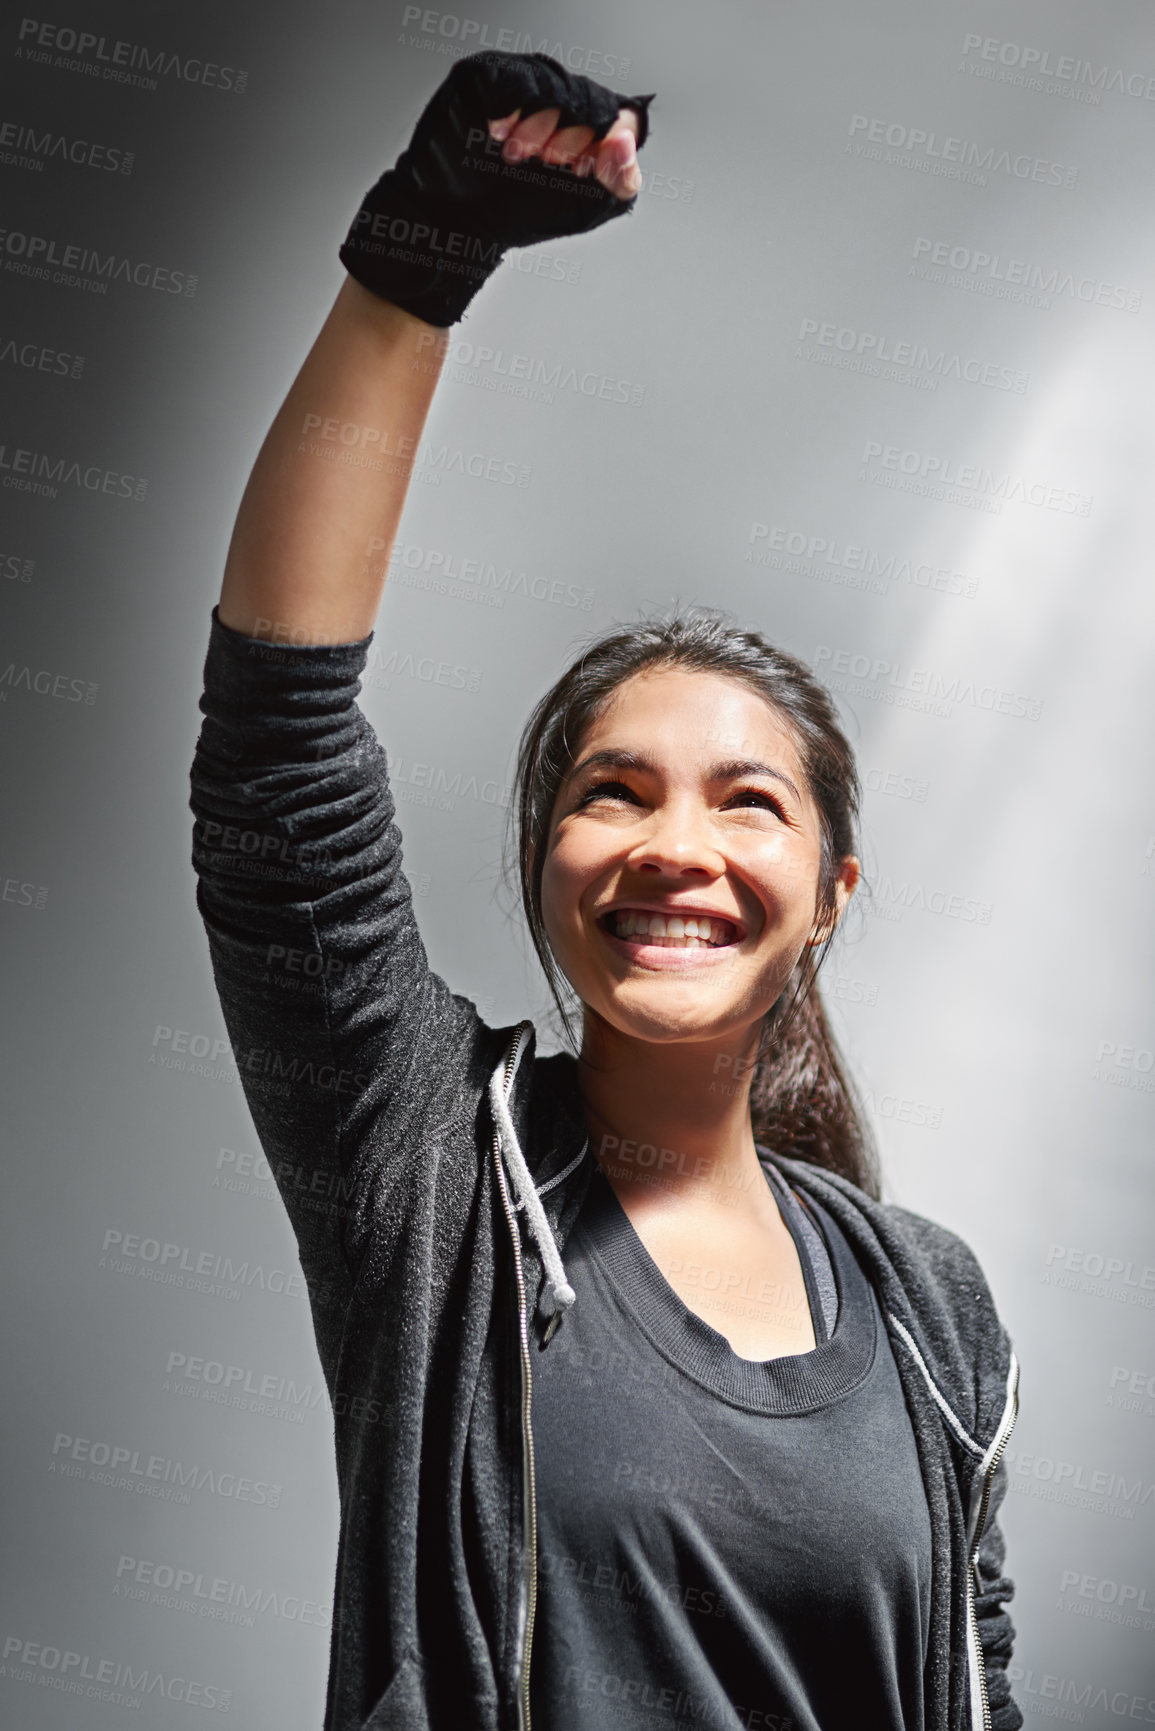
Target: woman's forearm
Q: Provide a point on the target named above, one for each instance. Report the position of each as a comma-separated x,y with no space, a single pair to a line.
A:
317,522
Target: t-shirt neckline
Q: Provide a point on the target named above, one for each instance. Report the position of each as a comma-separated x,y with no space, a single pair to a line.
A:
797,1383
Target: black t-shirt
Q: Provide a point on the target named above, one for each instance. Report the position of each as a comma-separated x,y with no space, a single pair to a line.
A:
723,1542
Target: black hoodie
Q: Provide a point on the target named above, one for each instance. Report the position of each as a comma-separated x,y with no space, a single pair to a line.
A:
432,1168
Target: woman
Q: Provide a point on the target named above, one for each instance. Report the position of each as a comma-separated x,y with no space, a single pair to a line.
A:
647,1411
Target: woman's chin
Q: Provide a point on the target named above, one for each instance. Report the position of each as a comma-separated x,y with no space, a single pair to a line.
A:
682,1018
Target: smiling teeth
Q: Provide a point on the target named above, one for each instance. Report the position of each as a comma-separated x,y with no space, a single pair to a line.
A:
697,932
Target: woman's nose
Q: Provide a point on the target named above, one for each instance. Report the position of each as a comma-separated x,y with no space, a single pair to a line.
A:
678,840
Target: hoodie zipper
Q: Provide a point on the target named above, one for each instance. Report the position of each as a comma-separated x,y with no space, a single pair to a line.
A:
988,1462
528,1599
1010,1413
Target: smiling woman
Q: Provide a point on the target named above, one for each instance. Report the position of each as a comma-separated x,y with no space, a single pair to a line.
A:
681,878
688,768
645,1406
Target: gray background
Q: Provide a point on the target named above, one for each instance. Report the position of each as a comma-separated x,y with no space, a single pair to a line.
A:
991,992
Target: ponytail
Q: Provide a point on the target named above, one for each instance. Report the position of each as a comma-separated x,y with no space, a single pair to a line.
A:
802,1102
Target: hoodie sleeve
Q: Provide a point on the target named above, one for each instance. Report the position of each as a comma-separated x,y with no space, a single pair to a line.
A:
996,1631
343,1036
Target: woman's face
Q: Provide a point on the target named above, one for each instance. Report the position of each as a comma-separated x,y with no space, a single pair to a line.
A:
687,802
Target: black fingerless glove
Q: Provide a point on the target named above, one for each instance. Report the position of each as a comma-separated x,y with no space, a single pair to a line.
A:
436,226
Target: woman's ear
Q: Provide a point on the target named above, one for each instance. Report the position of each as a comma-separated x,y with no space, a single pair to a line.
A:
849,873
845,883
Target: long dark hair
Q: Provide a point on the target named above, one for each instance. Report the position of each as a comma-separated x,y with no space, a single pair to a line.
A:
802,1102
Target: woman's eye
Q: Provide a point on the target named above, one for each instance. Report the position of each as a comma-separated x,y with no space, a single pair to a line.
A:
766,800
606,790
751,797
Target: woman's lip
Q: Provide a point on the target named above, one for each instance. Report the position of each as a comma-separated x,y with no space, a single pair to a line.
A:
659,956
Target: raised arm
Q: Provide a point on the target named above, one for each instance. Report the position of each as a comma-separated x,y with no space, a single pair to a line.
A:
331,478
332,475
351,1049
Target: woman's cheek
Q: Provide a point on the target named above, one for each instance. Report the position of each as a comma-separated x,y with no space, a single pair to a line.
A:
561,888
786,872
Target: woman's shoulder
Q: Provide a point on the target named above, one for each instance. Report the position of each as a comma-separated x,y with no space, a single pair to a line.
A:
930,1280
933,1240
945,1252
937,1247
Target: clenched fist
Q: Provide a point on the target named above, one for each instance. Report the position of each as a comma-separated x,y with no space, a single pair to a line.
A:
613,159
512,150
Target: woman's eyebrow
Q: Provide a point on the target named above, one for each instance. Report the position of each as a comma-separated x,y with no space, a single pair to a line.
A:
732,769
736,767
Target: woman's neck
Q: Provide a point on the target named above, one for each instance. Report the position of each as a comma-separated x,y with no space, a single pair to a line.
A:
672,1118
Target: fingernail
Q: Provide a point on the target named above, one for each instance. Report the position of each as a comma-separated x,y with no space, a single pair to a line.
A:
499,129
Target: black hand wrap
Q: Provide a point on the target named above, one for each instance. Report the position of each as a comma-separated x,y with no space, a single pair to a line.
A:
436,226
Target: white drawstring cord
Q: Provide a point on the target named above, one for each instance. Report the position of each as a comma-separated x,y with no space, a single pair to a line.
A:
558,1292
